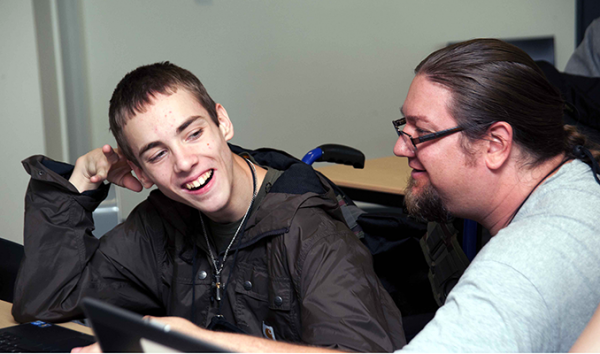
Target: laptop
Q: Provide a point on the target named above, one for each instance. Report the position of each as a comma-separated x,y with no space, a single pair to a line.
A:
41,337
119,330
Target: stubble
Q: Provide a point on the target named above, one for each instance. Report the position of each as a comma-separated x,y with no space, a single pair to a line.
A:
427,204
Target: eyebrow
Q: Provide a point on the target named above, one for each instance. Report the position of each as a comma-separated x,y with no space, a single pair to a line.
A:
187,123
179,129
413,117
148,147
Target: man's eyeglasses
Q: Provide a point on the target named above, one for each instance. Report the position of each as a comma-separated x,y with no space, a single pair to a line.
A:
399,124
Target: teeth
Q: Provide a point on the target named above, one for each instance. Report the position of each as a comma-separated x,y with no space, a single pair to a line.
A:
200,181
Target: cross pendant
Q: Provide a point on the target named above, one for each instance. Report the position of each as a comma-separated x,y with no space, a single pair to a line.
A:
218,287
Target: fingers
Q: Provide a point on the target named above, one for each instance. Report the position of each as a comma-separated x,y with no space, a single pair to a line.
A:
132,183
93,348
112,155
98,168
117,171
100,175
103,164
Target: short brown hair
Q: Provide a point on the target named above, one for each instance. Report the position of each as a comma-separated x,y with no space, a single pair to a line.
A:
140,86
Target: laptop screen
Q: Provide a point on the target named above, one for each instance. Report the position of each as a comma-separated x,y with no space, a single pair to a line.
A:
119,330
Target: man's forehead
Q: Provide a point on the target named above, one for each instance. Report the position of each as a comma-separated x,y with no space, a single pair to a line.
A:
427,101
414,117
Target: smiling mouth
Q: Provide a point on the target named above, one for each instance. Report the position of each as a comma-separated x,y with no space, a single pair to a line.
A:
200,182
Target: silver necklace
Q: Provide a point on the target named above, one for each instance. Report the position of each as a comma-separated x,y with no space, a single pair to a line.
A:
219,268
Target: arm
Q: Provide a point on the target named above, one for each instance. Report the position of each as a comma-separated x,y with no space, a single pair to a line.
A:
493,308
585,60
238,343
63,261
589,341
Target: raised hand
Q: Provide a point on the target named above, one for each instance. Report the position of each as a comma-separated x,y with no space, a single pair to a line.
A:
103,164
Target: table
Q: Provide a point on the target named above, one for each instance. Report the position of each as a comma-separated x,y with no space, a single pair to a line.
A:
6,320
382,181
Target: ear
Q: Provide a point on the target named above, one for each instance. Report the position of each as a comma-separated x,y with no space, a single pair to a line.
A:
499,140
224,123
141,175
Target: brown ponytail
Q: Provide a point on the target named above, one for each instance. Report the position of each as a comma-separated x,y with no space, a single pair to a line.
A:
575,139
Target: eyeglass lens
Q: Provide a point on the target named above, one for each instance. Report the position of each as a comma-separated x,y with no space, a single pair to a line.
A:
407,139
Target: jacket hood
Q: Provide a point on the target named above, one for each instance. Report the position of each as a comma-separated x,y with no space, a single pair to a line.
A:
298,177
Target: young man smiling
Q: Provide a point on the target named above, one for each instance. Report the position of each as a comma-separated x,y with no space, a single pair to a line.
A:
250,242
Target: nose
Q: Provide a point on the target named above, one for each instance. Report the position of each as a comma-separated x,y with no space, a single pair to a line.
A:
184,160
403,148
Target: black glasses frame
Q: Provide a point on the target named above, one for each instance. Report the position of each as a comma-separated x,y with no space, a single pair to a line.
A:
400,123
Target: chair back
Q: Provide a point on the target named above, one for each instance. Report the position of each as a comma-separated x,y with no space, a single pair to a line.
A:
11,254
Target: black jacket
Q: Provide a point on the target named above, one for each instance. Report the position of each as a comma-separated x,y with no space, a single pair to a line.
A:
296,268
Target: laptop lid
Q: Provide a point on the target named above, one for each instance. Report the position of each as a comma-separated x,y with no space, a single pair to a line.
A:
119,330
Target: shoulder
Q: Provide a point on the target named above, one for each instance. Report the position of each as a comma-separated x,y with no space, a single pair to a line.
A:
152,221
320,221
584,60
305,221
565,203
554,236
547,256
323,242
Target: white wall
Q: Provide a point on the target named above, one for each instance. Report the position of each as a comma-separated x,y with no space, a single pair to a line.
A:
20,110
292,74
295,74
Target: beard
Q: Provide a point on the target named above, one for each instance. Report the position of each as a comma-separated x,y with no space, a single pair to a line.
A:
426,205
